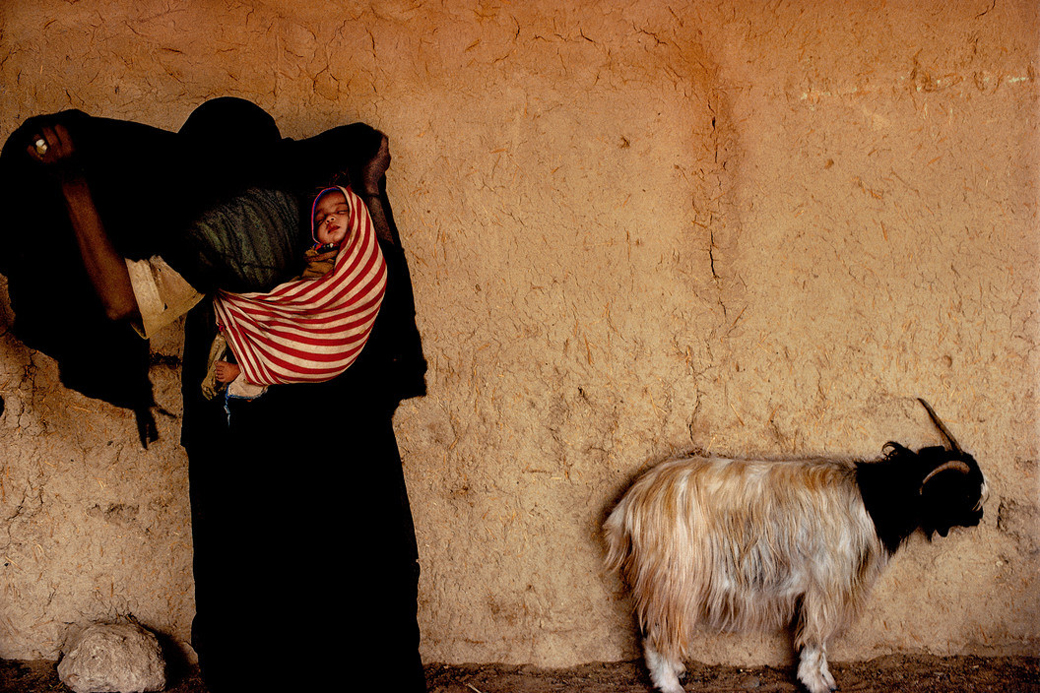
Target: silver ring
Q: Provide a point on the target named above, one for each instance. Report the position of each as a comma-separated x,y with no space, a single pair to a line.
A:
41,146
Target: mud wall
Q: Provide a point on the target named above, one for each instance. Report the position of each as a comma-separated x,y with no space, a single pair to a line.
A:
749,228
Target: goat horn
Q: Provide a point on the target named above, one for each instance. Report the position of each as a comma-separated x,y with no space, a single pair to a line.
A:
952,464
950,440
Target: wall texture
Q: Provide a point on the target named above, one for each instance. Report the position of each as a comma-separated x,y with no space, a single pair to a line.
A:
635,229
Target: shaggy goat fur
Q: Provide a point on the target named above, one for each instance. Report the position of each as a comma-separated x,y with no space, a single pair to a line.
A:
754,544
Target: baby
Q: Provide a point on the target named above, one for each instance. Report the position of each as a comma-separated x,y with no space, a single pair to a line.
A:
328,229
331,224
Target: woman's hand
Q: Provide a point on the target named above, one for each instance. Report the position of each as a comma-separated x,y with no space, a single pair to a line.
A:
373,171
53,147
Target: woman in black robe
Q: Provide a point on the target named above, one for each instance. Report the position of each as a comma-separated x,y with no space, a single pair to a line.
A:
305,558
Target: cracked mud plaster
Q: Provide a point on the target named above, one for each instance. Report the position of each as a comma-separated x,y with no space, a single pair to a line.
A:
634,230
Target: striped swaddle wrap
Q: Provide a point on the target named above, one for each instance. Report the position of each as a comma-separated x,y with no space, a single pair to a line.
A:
310,330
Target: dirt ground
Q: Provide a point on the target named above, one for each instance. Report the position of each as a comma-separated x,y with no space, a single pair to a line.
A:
906,674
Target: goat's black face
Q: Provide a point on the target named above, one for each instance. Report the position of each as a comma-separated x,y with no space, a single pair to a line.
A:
953,497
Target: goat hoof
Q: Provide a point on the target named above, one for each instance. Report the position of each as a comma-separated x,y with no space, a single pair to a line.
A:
819,687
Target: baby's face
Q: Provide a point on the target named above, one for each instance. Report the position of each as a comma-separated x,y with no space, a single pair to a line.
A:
330,218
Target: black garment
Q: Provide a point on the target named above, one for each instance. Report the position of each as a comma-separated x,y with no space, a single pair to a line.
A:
300,519
303,543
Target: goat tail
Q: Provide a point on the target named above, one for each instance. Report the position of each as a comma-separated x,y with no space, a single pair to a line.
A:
641,535
619,540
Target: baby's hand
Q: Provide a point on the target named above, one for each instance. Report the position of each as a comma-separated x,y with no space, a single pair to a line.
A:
225,371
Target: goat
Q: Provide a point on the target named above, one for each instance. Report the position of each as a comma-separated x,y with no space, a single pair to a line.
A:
751,544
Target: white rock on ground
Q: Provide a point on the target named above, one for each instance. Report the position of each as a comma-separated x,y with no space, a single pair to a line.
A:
113,657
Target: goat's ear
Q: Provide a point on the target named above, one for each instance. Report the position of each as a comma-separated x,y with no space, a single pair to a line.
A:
894,452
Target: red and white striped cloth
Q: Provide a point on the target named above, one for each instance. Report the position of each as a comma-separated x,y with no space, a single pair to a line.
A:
310,330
